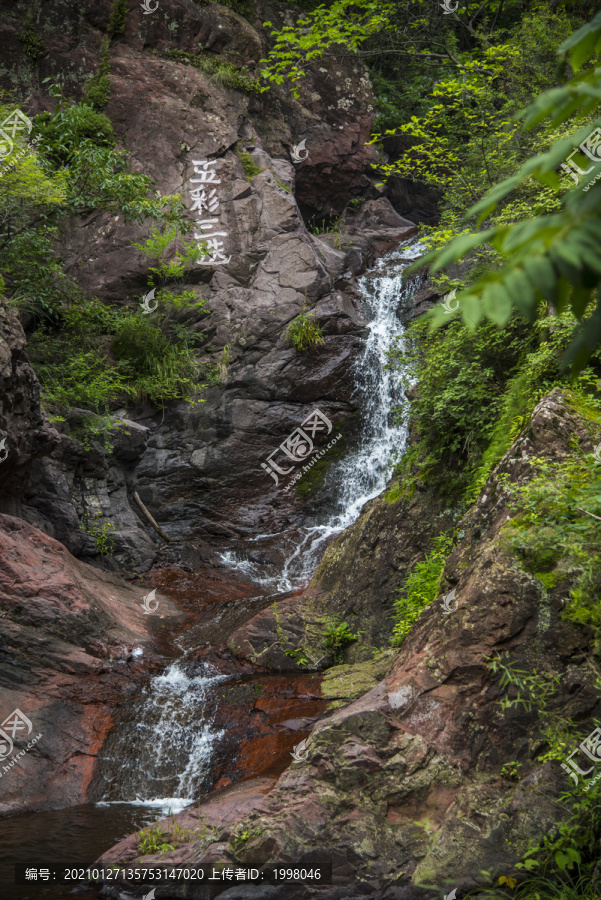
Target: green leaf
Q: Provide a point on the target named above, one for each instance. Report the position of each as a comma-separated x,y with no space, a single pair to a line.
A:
541,273
581,45
497,304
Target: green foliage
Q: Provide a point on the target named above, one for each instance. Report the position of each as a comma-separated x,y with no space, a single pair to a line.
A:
35,47
104,542
560,864
477,389
65,132
226,73
98,88
152,840
325,226
421,588
344,22
171,265
117,18
555,533
304,333
160,369
462,378
511,770
217,373
337,636
250,169
73,374
552,258
533,690
147,360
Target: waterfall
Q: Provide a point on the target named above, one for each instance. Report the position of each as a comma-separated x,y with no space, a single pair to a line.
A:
363,473
170,736
169,731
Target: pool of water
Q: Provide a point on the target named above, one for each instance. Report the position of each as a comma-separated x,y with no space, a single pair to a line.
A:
75,836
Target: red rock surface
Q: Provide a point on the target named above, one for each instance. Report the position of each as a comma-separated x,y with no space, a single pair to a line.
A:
67,632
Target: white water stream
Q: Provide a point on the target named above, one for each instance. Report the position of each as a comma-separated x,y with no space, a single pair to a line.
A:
171,736
363,473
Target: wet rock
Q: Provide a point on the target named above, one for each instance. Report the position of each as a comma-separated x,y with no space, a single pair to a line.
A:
74,642
405,786
356,582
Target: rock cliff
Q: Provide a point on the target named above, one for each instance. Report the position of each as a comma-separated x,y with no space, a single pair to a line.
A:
197,468
406,785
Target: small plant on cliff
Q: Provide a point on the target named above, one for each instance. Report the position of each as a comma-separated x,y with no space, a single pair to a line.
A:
117,18
421,588
250,169
34,44
152,840
226,73
104,541
98,88
561,864
304,332
337,636
555,534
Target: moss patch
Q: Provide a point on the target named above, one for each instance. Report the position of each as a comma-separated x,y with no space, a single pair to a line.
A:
347,682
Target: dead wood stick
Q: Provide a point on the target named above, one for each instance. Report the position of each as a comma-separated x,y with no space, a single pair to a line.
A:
592,515
154,524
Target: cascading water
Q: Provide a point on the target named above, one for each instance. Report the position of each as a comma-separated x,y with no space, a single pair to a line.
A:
362,474
169,734
169,731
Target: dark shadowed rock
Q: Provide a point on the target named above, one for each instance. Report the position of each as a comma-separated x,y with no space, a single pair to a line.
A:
25,434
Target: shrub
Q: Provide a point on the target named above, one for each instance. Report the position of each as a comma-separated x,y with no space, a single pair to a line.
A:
421,588
65,132
337,636
304,332
476,390
162,370
35,47
117,18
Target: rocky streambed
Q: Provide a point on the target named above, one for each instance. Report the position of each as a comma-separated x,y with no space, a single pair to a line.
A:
184,712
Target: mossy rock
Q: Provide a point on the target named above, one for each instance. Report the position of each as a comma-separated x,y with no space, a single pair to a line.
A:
348,682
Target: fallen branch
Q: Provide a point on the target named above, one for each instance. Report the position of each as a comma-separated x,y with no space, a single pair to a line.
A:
154,524
592,515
